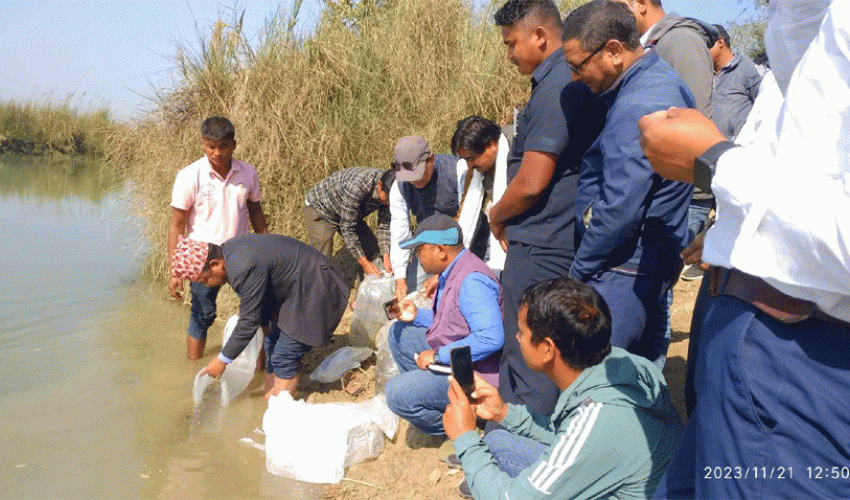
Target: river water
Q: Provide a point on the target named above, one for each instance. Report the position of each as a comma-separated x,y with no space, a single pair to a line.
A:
95,391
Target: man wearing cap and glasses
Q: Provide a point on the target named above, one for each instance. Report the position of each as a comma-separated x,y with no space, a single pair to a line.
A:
425,184
467,311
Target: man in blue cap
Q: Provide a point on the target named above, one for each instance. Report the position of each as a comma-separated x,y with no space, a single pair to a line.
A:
467,311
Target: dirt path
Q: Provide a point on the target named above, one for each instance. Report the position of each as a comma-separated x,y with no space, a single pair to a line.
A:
408,467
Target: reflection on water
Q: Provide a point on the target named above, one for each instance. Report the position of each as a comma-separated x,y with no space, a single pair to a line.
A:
95,396
55,177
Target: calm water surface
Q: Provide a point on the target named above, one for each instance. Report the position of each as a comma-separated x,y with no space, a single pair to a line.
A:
95,394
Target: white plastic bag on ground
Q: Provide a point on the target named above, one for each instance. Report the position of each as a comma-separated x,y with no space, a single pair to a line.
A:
340,361
315,442
238,374
369,313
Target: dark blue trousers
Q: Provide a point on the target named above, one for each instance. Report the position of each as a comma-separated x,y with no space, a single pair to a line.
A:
526,265
772,412
638,305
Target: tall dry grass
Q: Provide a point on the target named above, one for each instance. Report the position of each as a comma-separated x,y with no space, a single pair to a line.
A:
373,71
62,127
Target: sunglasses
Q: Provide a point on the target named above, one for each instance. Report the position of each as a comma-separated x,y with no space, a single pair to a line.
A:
577,68
407,165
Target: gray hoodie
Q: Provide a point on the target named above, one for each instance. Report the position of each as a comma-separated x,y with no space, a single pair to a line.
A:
683,43
611,435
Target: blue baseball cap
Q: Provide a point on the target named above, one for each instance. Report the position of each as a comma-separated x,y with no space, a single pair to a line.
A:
437,229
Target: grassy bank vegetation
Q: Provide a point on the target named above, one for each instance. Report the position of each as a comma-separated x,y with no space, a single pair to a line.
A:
373,71
61,127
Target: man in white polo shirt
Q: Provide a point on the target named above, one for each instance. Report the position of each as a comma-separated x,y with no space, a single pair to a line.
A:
212,201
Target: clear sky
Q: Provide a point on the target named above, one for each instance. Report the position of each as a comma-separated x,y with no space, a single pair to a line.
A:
114,52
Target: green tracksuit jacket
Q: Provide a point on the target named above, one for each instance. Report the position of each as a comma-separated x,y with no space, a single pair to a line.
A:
611,435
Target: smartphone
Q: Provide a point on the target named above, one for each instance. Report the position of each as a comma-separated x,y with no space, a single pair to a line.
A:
392,309
462,369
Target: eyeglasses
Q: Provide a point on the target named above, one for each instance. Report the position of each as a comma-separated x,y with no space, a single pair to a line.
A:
577,68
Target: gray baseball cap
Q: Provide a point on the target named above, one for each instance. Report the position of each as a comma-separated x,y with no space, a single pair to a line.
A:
411,155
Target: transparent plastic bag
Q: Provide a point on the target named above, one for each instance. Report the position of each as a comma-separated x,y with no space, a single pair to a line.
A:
385,366
369,313
238,374
340,361
315,443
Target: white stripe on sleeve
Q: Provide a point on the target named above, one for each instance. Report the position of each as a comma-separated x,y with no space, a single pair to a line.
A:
565,452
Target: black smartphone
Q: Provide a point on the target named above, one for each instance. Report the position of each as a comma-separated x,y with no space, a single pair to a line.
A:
392,309
462,369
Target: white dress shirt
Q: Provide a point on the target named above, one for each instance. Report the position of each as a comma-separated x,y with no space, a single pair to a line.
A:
783,198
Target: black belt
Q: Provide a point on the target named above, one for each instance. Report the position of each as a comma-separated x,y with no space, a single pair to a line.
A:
764,297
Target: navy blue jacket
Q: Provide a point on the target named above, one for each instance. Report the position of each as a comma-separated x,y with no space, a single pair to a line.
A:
638,220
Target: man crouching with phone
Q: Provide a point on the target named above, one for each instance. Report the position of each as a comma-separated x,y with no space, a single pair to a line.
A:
613,430
467,311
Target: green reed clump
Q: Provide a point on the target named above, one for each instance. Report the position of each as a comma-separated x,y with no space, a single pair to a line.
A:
372,71
61,127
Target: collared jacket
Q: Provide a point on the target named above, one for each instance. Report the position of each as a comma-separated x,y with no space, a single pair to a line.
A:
736,86
637,219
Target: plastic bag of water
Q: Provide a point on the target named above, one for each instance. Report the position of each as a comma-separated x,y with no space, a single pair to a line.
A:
316,442
340,361
369,315
238,374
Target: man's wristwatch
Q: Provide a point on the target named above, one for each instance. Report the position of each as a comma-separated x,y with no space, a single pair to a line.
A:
706,163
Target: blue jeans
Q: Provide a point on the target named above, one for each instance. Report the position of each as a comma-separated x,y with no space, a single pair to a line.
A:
202,314
416,395
283,354
513,453
697,220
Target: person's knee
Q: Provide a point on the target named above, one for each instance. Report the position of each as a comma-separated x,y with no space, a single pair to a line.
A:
395,395
286,358
395,342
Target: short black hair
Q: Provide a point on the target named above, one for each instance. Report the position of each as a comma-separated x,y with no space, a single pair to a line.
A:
722,33
387,179
595,23
474,134
543,12
217,128
213,252
573,315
